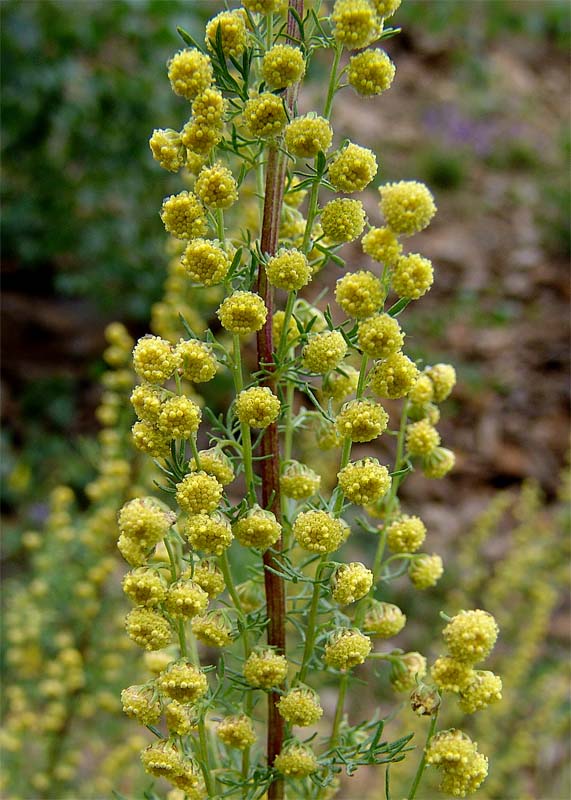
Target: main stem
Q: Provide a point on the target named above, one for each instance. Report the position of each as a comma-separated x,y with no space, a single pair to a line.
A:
270,449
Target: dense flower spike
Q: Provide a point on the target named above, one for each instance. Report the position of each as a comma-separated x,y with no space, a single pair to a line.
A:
282,66
360,294
371,72
343,220
308,382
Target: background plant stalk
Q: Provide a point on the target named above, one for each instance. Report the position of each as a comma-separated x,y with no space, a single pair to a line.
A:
270,448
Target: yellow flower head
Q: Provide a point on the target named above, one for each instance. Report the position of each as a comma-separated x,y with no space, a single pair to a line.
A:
146,401
259,528
183,682
361,420
371,72
205,262
214,462
209,533
179,418
199,139
148,629
451,675
242,312
145,587
183,215
236,731
141,703
264,6
425,571
257,407
351,582
216,187
300,706
185,599
299,482
356,24
360,294
196,360
288,269
306,136
144,521
324,352
340,384
386,8
154,359
482,690
209,577
407,206
380,336
212,629
421,438
394,376
412,276
198,493
265,116
231,26
180,719
296,761
407,671
343,220
346,648
438,463
443,378
282,66
382,245
365,481
162,760
318,532
353,168
265,668
422,391
463,768
384,620
471,635
190,72
167,149
150,439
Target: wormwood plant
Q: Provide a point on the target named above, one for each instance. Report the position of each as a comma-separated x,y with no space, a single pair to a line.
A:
244,505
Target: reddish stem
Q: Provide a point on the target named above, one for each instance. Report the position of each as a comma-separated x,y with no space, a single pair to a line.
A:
270,446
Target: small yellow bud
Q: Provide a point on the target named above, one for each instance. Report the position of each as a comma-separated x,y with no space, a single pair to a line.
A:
371,72
148,629
289,270
324,352
205,262
196,360
471,635
265,116
318,532
259,528
257,407
351,582
300,707
364,481
237,731
360,294
425,571
231,27
153,359
190,72
216,187
296,761
361,420
282,66
343,220
406,534
183,682
209,533
356,24
394,376
352,169
265,668
346,648
198,493
380,336
384,620
306,136
242,312
183,215
421,438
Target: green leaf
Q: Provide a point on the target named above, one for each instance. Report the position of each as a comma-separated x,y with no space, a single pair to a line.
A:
187,39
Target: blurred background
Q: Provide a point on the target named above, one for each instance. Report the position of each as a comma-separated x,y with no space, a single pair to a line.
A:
479,110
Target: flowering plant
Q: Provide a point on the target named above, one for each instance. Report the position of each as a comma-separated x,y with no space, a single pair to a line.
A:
253,502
